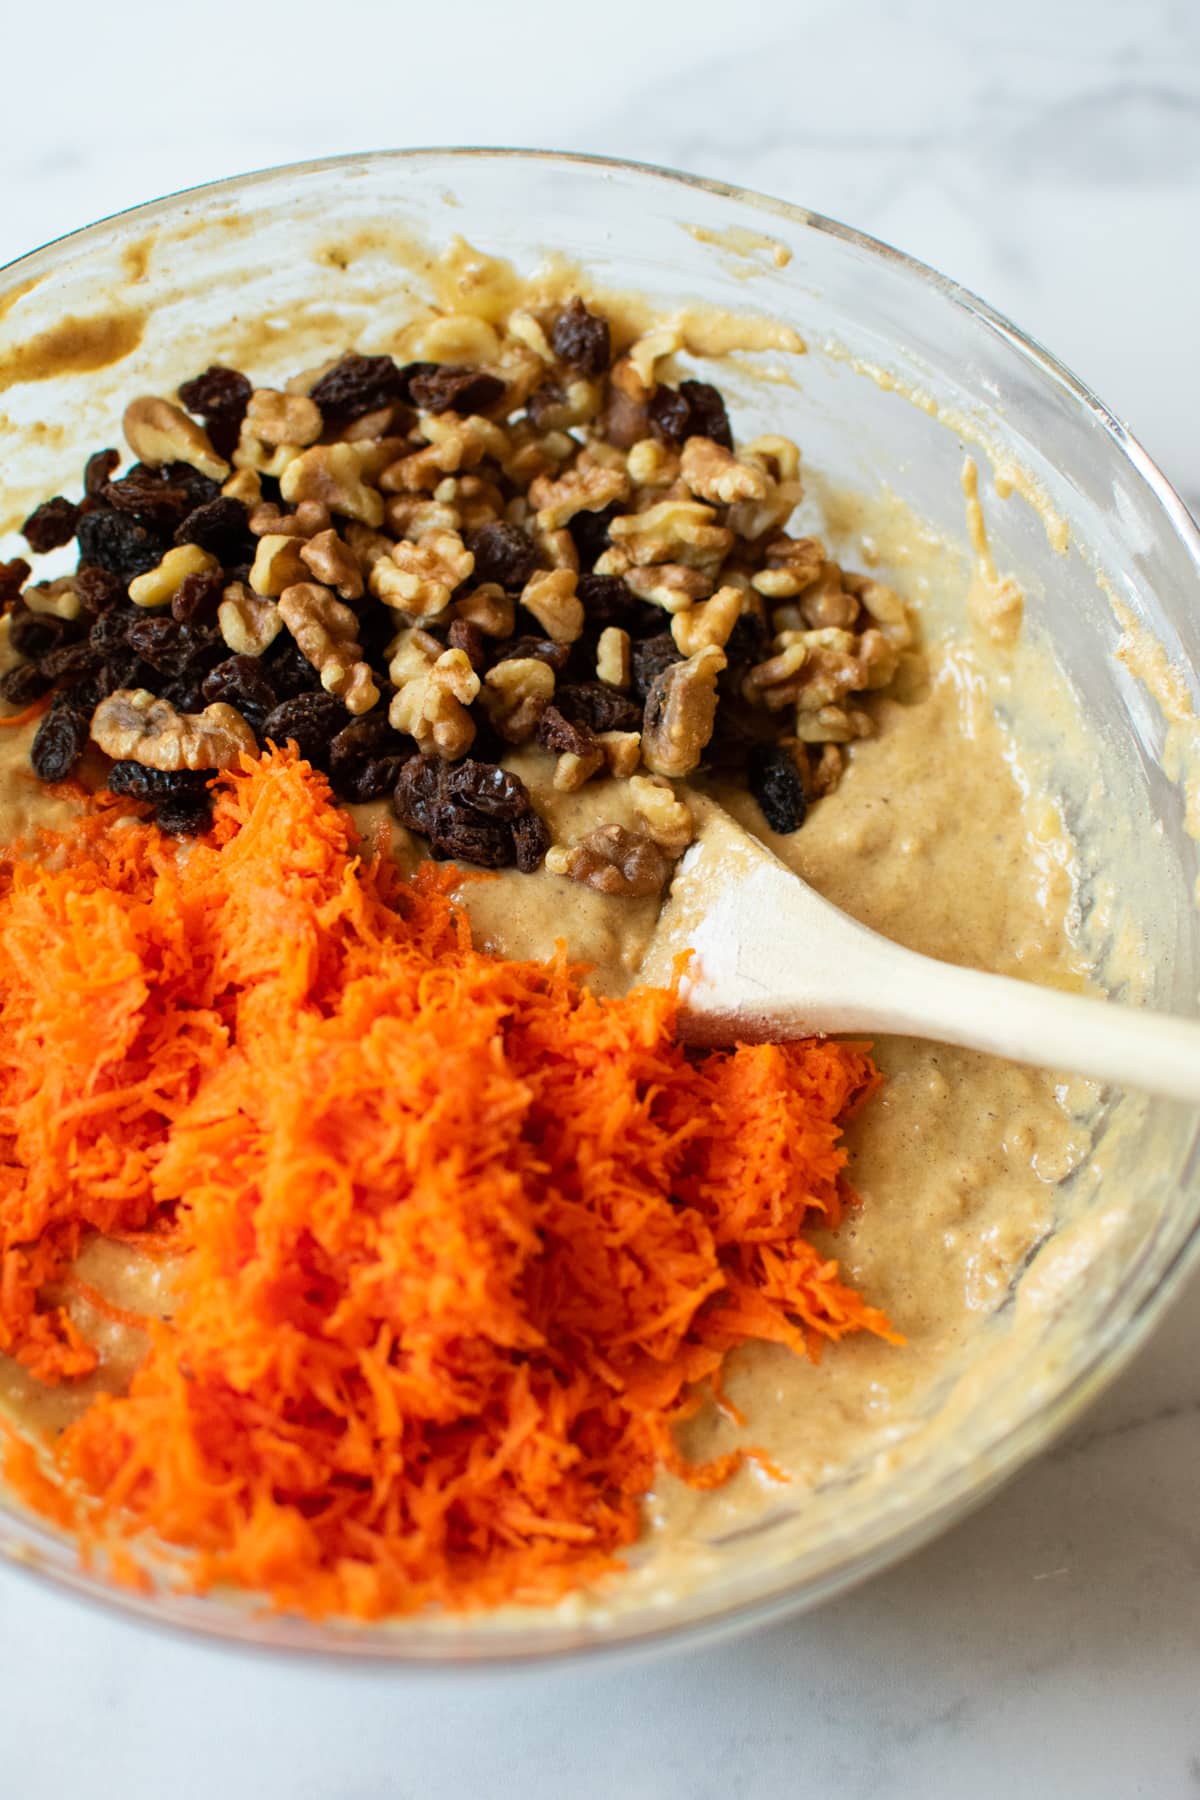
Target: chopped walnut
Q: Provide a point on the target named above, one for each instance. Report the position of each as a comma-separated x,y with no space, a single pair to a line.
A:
668,585
415,516
157,431
792,565
614,861
878,659
432,707
711,623
489,607
252,455
825,603
550,596
476,500
613,657
622,750
651,348
244,485
275,418
332,474
558,549
418,579
831,668
309,518
248,625
277,564
573,768
586,487
59,597
651,464
332,563
826,771
885,607
714,473
326,634
132,725
667,819
681,709
776,682
832,725
671,531
159,586
534,454
516,693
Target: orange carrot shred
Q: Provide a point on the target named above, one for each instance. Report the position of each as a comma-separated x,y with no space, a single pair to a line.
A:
458,1242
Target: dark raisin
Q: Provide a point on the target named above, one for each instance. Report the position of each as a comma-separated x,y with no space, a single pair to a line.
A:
198,597
70,662
542,649
775,783
111,630
419,791
241,682
141,783
589,533
747,641
372,779
175,649
51,525
582,338
289,672
488,789
706,413
97,589
310,721
34,635
184,815
98,471
61,740
556,732
219,397
161,494
531,840
185,692
452,387
120,543
13,576
368,735
650,657
465,636
669,414
503,553
598,707
220,527
358,385
460,835
24,684
605,600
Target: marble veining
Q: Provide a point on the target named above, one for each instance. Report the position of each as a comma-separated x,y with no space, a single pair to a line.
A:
1047,154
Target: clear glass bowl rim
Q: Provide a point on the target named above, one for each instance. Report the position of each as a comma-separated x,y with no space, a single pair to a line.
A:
1111,1351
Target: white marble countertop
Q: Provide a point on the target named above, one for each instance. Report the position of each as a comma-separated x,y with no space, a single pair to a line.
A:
1047,154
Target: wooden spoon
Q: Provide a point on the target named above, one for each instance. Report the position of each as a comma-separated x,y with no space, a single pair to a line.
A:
772,960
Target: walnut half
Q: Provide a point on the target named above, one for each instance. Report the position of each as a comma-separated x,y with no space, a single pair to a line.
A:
132,725
614,861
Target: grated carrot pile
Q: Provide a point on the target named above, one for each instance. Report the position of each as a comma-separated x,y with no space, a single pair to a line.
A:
457,1239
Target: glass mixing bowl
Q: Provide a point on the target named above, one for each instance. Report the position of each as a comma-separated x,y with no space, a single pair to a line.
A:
904,369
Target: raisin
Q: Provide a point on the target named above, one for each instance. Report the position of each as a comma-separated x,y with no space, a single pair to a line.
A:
589,533
462,836
184,815
556,732
219,397
598,707
581,338
34,635
161,494
531,840
488,789
24,684
240,682
650,657
418,792
61,740
541,649
669,414
51,525
452,387
747,641
198,597
141,783
775,783
310,721
707,416
220,527
97,590
503,553
289,672
358,385
119,543
98,471
174,649
69,663
372,779
466,636
185,693
111,630
13,576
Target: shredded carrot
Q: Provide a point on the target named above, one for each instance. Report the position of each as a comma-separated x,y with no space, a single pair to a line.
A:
457,1240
